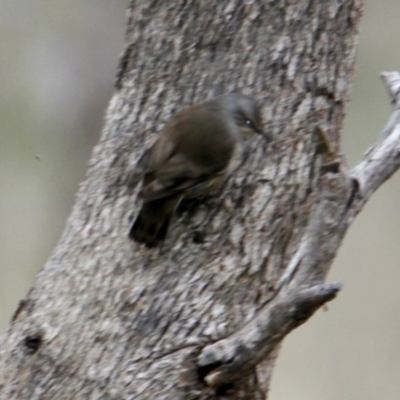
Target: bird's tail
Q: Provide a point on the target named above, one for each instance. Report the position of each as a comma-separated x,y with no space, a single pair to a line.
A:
151,225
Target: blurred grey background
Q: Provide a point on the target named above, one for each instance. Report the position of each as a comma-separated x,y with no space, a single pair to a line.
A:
57,65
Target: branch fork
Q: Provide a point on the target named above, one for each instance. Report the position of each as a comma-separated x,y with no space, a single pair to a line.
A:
342,194
232,358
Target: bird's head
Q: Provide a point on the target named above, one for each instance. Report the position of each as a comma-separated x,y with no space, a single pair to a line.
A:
245,112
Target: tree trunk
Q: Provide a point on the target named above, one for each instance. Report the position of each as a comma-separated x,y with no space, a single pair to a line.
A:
203,315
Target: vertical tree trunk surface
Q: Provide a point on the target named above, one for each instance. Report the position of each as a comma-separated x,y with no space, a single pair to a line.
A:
108,318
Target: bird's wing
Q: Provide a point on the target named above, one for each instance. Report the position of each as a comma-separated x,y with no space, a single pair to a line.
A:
176,175
156,154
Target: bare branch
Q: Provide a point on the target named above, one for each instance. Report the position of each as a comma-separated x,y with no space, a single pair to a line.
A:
234,357
383,158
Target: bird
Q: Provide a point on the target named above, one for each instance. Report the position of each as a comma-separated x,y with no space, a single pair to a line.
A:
193,155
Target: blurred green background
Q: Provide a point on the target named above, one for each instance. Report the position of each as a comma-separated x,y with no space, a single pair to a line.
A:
57,65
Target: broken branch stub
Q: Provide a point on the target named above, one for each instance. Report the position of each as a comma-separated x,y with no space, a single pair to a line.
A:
233,358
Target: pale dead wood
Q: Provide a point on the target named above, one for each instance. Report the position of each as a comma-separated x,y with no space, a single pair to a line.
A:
233,358
382,160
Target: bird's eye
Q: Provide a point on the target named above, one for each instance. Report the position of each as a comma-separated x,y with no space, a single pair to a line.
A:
248,122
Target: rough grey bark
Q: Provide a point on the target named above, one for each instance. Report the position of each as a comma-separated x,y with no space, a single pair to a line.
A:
110,319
